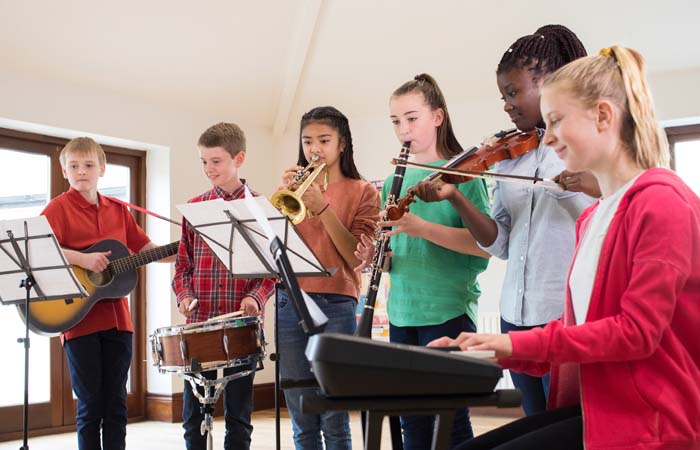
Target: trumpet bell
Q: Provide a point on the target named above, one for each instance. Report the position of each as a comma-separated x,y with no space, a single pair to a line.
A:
290,205
289,202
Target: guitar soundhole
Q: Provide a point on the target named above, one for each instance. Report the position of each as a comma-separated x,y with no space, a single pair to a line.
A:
100,279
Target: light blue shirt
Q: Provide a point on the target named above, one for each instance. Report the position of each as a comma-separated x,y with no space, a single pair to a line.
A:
536,234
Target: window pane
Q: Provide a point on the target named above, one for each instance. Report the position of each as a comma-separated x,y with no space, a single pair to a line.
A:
25,191
117,183
687,156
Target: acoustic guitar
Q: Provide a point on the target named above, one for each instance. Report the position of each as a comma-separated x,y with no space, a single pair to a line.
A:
51,317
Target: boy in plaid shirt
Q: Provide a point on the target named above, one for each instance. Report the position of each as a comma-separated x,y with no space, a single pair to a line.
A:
200,275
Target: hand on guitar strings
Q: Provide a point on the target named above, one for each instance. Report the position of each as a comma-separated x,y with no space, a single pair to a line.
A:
96,262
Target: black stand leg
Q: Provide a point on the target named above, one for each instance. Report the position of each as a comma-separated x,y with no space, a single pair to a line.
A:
443,428
276,358
27,285
395,428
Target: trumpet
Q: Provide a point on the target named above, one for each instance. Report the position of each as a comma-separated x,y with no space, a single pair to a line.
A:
288,201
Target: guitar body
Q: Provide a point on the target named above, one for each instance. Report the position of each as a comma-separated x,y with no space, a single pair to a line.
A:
51,317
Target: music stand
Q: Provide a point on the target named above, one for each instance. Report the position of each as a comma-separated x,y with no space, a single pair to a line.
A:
249,227
34,271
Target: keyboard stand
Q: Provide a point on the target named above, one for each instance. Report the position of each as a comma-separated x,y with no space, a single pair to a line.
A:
442,407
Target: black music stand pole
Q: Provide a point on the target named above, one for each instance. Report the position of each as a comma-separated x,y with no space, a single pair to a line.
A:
275,357
27,284
16,263
296,297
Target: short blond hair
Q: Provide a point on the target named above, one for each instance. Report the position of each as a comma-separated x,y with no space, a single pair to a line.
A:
618,75
83,146
226,135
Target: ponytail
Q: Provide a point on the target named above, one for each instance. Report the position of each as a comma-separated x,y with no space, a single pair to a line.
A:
617,74
447,143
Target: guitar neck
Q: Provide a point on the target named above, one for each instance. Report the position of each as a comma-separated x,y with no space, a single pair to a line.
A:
139,259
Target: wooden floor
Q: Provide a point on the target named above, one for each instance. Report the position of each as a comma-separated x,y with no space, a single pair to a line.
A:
168,436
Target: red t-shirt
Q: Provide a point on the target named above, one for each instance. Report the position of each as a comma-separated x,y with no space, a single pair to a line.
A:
77,225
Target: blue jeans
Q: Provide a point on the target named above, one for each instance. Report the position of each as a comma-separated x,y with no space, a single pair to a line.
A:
418,430
238,406
534,390
99,367
334,425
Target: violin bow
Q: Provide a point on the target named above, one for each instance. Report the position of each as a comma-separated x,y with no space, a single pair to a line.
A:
546,183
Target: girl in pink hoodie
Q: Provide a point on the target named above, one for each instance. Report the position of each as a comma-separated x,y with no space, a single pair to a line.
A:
625,358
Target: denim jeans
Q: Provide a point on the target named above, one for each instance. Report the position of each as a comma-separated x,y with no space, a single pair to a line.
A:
534,390
308,428
99,367
238,406
418,430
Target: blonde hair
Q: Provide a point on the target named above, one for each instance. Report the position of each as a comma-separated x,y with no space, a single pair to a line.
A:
618,74
83,146
226,135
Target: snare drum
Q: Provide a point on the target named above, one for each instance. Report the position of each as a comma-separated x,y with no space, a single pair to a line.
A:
215,344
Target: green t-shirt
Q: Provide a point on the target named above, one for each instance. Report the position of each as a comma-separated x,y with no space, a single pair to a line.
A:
429,283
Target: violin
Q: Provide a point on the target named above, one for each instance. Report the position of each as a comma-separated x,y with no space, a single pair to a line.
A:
475,162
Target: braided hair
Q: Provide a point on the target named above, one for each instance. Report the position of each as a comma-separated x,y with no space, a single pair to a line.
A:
447,143
543,52
328,115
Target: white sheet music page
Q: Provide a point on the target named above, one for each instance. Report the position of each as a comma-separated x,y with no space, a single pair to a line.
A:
43,254
211,220
315,312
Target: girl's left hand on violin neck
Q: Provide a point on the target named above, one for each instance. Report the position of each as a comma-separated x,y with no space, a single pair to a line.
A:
434,191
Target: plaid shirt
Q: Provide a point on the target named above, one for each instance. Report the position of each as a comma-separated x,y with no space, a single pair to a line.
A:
199,273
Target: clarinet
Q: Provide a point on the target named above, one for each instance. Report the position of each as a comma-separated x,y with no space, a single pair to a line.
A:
381,247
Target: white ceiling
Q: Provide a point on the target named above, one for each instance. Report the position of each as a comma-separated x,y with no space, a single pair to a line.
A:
272,59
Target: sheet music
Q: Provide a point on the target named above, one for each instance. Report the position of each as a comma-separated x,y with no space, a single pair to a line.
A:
44,257
317,316
211,220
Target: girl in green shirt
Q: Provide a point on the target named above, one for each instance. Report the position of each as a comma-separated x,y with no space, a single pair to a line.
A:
435,259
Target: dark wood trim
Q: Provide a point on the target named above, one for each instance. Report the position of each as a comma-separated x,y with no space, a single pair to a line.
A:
32,137
264,397
17,435
168,408
680,134
164,408
12,417
683,130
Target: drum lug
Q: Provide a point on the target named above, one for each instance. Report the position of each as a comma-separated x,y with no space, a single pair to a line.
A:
183,350
225,341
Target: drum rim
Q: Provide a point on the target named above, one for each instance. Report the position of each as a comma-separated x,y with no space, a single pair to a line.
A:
234,322
187,368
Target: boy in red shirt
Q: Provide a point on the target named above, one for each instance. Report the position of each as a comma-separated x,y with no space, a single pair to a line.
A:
99,347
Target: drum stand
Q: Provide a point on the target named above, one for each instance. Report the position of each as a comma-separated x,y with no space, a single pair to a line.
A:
209,399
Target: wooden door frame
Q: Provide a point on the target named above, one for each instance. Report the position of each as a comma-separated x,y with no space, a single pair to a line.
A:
58,415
